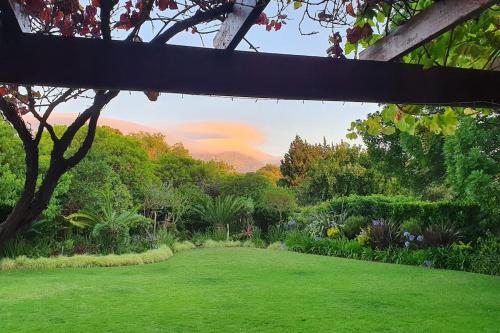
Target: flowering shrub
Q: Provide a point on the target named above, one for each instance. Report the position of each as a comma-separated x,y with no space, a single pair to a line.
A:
412,240
383,234
333,232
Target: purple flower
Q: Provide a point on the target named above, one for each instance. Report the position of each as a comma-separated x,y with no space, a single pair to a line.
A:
407,244
406,234
428,263
291,223
332,224
420,238
318,238
412,238
376,222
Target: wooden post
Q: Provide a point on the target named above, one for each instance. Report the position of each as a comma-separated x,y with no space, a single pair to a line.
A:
430,23
14,18
238,22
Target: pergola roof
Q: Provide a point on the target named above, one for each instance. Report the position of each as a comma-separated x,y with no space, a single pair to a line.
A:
32,59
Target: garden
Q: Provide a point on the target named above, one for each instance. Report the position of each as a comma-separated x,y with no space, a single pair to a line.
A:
398,230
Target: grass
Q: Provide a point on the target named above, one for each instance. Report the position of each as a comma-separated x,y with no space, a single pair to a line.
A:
110,260
249,290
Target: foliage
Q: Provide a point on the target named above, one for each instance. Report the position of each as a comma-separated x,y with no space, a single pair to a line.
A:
296,161
473,162
277,246
182,246
440,235
221,210
271,172
278,200
411,225
472,44
485,258
353,225
466,217
415,161
383,234
343,170
111,260
109,227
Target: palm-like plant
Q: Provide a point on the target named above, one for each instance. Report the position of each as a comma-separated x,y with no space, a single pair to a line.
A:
221,210
108,225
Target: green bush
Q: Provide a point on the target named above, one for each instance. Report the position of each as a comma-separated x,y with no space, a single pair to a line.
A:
466,217
486,256
353,225
165,237
149,257
182,246
411,225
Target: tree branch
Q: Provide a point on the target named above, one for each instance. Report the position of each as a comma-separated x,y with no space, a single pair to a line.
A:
16,120
199,17
106,8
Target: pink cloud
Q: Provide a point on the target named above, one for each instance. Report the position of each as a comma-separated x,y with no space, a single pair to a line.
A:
201,138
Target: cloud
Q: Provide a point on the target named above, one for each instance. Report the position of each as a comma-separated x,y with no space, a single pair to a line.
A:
217,137
198,137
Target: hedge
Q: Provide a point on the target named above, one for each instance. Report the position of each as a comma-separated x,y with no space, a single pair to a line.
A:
466,217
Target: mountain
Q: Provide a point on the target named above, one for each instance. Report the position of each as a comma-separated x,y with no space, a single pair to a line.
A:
234,143
241,162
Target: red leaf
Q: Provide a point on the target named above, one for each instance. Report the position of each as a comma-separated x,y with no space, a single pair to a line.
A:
277,26
34,6
172,5
163,4
350,10
3,91
128,5
96,3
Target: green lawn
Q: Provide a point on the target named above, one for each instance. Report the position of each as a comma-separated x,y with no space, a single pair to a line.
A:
249,290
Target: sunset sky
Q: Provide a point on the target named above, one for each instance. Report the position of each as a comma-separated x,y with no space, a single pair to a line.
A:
265,126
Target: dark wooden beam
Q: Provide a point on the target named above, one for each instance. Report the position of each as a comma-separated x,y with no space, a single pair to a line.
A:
87,63
14,19
430,23
238,22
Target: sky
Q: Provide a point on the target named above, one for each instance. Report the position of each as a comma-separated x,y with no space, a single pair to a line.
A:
265,126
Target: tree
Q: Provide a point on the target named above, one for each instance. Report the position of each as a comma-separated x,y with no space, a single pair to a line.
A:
415,161
99,19
153,143
473,162
278,200
249,185
346,170
296,161
271,172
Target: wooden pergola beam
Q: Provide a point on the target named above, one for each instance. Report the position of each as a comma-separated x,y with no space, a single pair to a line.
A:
430,23
88,63
238,22
13,18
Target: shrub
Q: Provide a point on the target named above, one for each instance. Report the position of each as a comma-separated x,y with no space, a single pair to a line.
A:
486,256
219,244
411,225
439,235
182,246
298,241
149,257
353,225
467,217
277,246
276,233
383,234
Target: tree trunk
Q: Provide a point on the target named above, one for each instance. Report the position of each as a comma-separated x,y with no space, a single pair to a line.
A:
28,209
